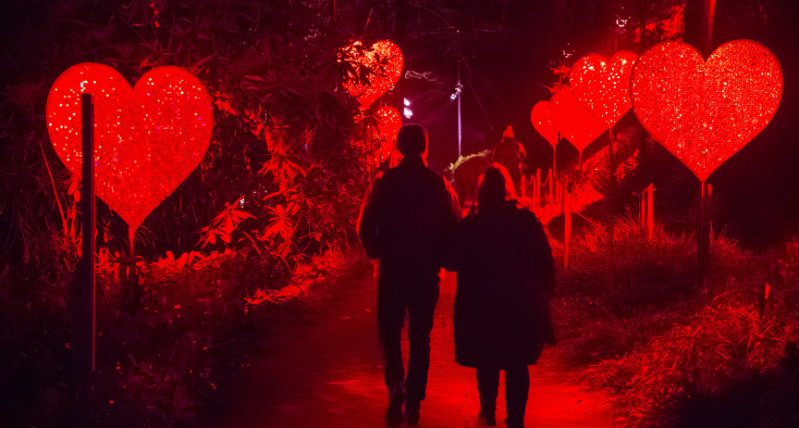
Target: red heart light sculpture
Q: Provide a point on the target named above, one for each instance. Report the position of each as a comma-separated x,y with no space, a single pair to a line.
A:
386,131
603,86
389,129
542,122
573,121
147,140
379,85
703,112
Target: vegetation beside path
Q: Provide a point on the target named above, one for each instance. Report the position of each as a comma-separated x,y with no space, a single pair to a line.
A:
671,353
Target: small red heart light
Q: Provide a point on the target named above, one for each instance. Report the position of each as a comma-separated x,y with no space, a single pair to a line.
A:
386,131
573,121
704,112
389,129
147,140
380,51
603,86
542,122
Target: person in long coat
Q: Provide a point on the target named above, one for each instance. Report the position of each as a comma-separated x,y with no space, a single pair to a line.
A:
505,277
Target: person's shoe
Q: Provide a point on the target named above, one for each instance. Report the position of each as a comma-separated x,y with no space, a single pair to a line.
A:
394,411
489,418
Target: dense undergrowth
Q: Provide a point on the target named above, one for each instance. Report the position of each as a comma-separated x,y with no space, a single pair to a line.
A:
158,366
671,353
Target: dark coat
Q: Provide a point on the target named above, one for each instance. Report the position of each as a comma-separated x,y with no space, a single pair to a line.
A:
505,278
408,220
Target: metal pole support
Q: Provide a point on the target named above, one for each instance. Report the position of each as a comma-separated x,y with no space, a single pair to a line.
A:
83,297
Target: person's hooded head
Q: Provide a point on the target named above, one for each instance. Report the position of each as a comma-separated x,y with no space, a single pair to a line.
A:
495,188
412,141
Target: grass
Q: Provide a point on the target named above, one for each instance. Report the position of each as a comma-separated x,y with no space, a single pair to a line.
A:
672,354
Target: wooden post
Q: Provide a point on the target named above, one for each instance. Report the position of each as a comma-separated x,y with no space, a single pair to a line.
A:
611,219
567,228
704,233
650,218
83,282
134,283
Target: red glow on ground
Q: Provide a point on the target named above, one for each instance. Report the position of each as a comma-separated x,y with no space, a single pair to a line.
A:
147,139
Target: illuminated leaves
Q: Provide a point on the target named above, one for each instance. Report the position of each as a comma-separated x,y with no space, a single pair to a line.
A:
362,81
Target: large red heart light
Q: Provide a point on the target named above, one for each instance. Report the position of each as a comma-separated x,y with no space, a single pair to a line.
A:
378,85
573,121
603,86
147,140
703,112
542,122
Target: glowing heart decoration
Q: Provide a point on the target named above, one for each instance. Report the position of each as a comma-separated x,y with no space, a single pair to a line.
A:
385,133
147,140
704,112
603,86
542,122
573,121
389,129
379,85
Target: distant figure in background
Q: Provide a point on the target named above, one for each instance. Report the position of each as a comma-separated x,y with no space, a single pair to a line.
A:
465,173
510,154
408,221
506,275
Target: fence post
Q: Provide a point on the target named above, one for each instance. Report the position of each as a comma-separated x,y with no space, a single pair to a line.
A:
83,279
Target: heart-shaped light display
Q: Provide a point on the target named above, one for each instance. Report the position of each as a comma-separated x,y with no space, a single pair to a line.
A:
390,124
382,51
573,121
603,86
703,112
542,122
385,133
147,140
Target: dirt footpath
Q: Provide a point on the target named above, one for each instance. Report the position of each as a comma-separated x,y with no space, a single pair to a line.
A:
329,374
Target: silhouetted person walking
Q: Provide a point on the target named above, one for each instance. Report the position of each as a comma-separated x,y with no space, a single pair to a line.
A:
505,278
407,223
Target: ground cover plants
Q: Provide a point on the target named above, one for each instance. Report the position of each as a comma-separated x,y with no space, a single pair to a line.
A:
671,353
272,204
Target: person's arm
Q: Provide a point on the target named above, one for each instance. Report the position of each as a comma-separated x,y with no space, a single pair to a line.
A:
368,220
452,215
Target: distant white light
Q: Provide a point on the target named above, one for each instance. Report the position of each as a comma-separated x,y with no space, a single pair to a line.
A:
408,113
406,102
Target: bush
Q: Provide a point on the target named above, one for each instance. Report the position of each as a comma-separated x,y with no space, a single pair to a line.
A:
675,355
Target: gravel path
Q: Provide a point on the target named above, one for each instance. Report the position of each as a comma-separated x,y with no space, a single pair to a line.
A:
328,373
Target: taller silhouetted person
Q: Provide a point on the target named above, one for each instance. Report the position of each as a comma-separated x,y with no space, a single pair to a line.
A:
407,223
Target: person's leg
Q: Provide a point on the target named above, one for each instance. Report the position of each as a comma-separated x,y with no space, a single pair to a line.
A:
390,318
517,385
421,313
488,389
